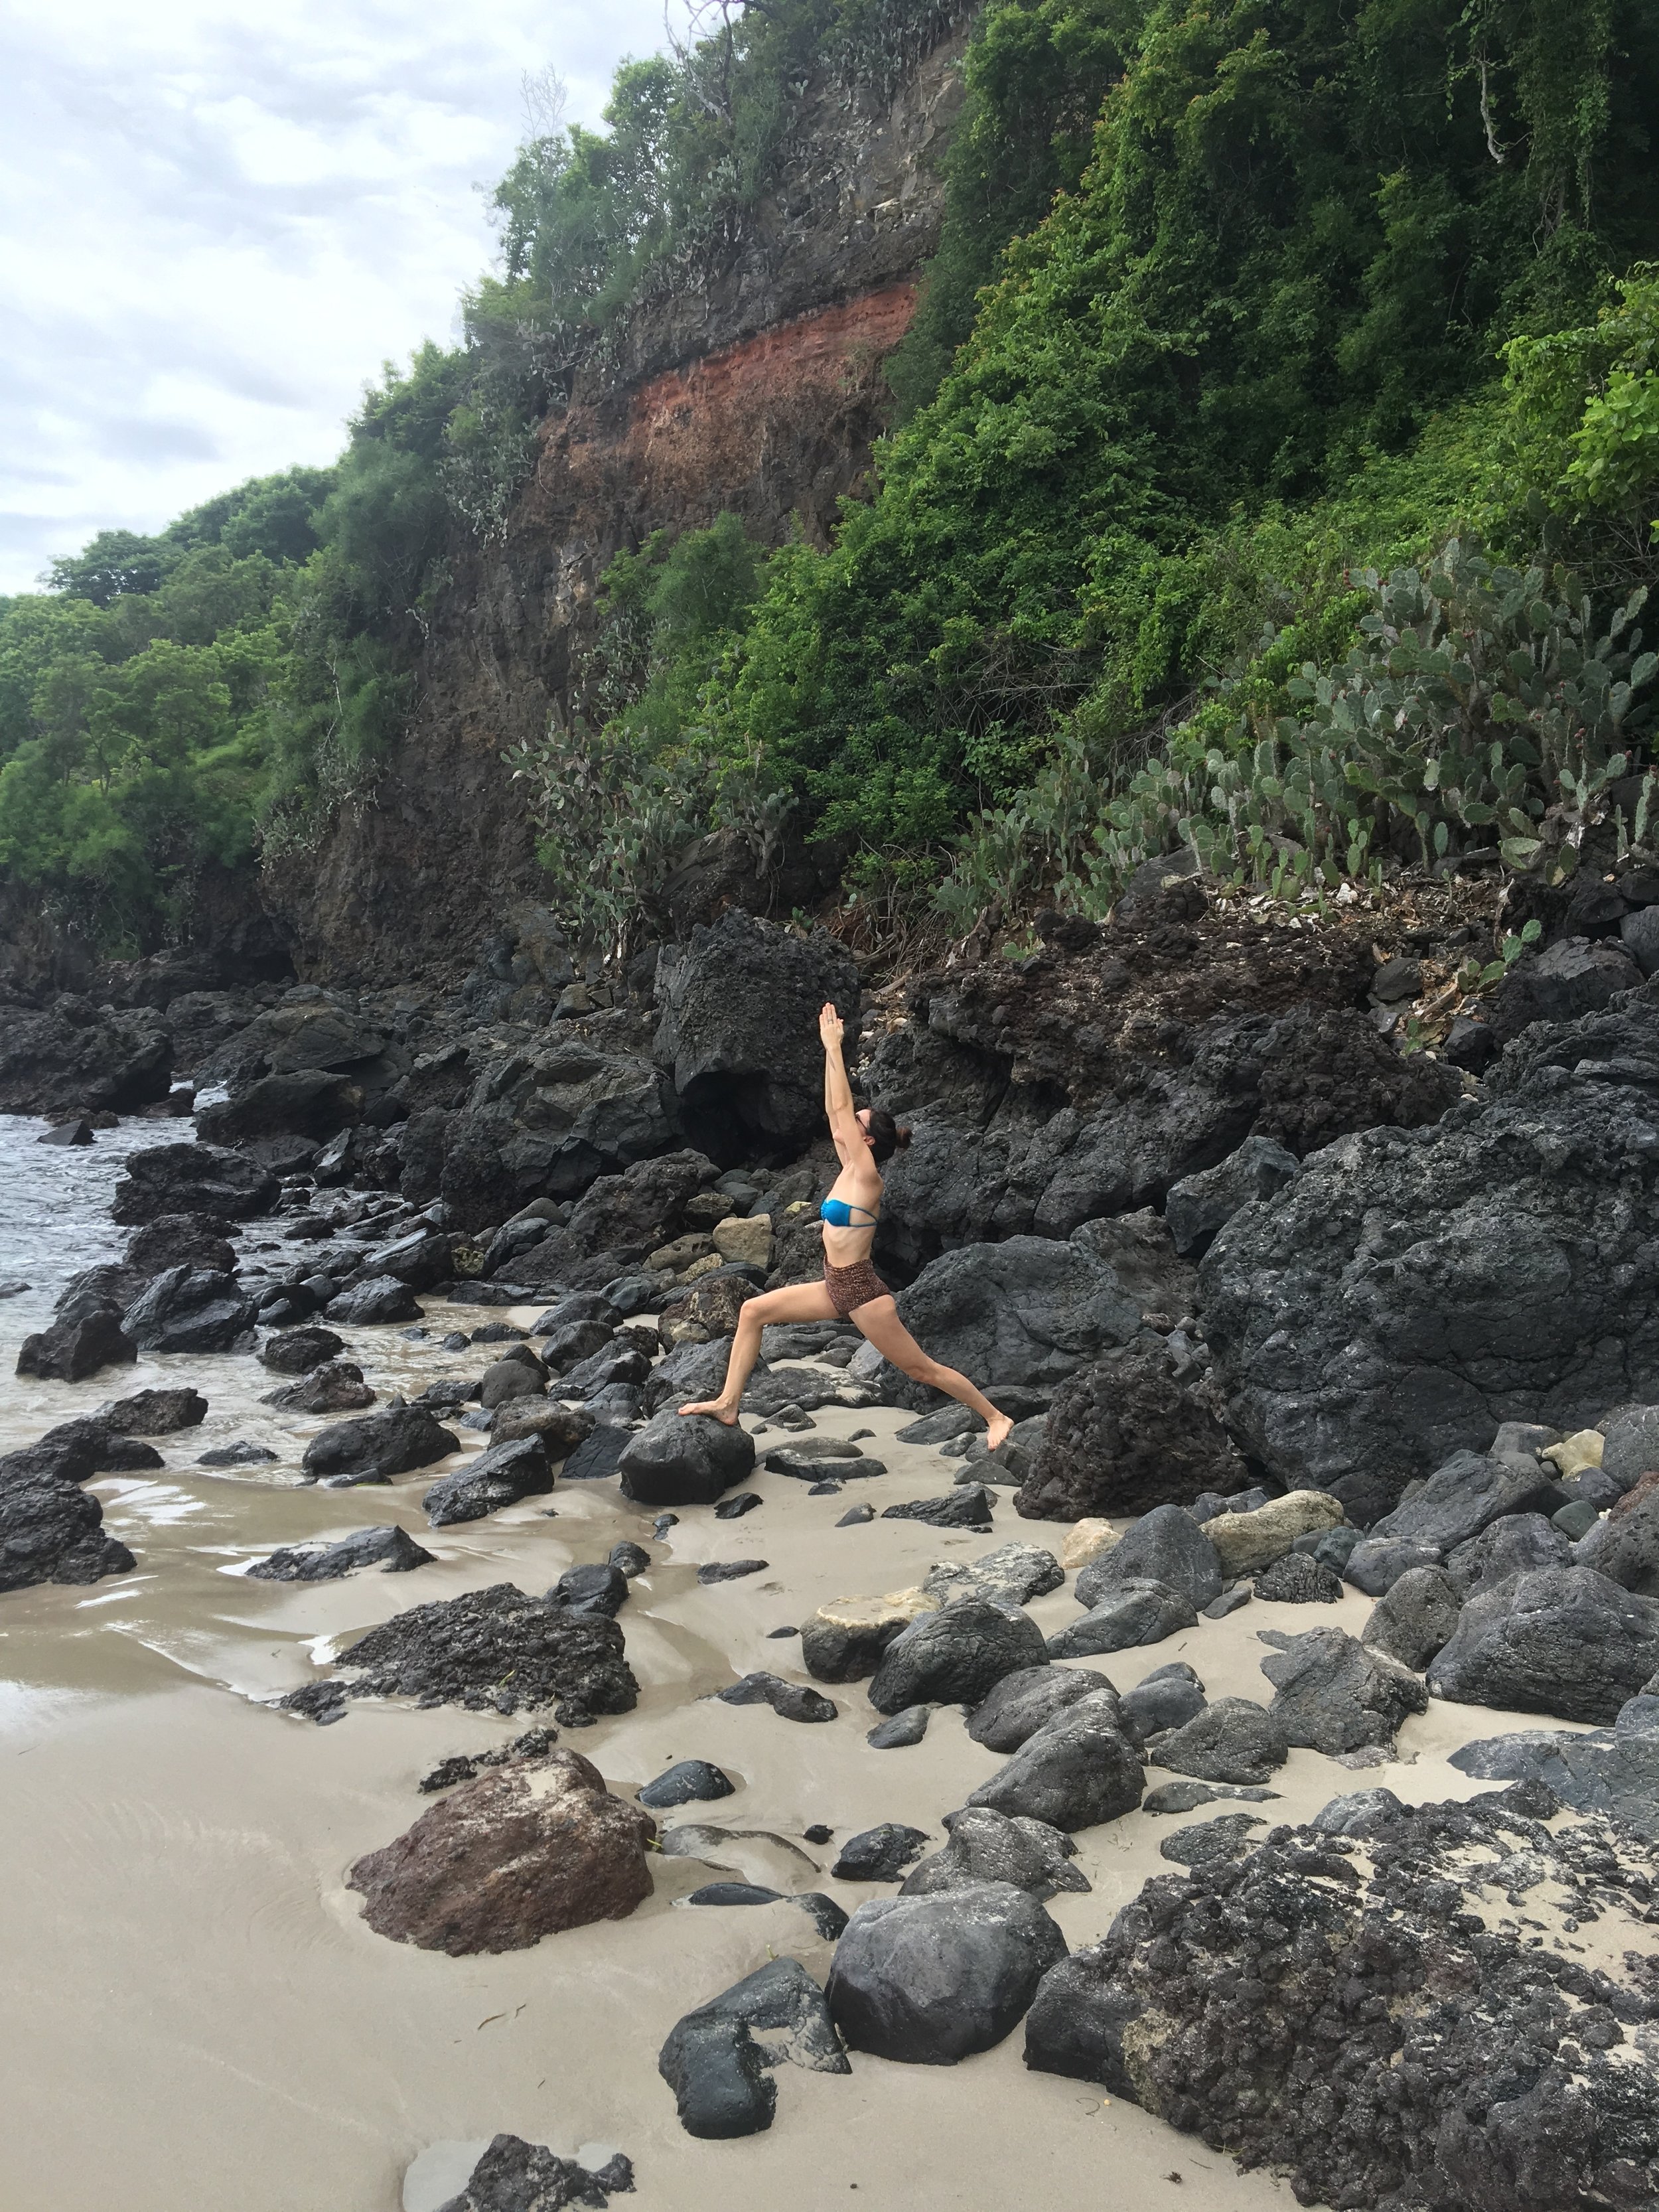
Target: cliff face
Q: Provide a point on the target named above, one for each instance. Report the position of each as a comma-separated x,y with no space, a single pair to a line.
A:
747,380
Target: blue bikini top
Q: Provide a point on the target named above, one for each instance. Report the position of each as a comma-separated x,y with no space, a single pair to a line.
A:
839,1213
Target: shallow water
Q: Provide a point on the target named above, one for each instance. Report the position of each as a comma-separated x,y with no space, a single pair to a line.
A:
193,2012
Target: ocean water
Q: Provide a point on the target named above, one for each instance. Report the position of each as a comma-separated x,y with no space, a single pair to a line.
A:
54,1210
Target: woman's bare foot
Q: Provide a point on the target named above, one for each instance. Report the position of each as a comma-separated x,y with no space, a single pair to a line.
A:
996,1433
722,1412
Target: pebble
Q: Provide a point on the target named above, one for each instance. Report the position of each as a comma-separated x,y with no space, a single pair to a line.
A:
734,1507
730,1570
904,1730
856,1516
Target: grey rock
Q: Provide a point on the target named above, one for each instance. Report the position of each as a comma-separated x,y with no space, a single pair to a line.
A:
297,1351
1169,1798
380,1297
790,1701
929,1980
394,1551
904,1730
1576,1519
1201,1204
1298,1578
1416,1617
955,1656
985,1845
1211,1842
1018,1705
1134,1613
516,2176
1576,976
856,1516
1630,1448
737,1032
1162,1703
1029,1309
192,1179
968,1506
1234,1739
1165,1546
1013,1574
1375,1564
593,1588
597,1456
189,1310
1412,1290
1560,1640
153,1413
1625,1547
77,1345
1078,1769
337,1387
684,1460
240,1453
1515,1545
1465,1496
378,1447
504,1380
730,1570
1335,1695
879,1854
1595,1770
720,2085
1359,1813
688,1782
501,1476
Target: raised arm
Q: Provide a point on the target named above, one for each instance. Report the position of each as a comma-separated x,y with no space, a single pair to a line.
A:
837,1092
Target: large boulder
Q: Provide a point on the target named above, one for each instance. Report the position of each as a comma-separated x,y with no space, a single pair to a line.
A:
1389,2039
297,1351
1576,976
1129,1613
717,2058
688,1459
393,1550
492,1650
1017,1706
74,1347
737,1032
52,1531
1334,1694
1032,1309
1204,1203
621,1217
1125,1434
1078,1769
1624,1546
508,1858
377,1447
989,1846
1561,1640
1413,1290
192,1179
929,1980
1164,1546
312,1029
1245,1542
1234,1740
846,1638
498,1477
376,1297
1416,1619
309,1103
955,1656
73,1057
180,1240
1465,1496
186,1309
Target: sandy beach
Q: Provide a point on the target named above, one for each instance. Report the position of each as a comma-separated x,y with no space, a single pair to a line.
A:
194,2010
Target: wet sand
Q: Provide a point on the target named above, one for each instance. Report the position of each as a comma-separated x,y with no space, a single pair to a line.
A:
193,2011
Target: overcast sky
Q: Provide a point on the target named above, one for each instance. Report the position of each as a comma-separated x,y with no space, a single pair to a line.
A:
220,218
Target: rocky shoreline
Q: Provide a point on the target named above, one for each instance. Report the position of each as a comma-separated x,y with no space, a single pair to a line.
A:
1287,1318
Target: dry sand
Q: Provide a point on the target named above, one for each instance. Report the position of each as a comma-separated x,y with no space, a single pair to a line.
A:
194,2013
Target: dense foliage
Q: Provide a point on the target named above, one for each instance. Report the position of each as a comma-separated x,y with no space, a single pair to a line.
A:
1263,334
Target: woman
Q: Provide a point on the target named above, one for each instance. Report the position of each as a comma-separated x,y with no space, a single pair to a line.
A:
851,1286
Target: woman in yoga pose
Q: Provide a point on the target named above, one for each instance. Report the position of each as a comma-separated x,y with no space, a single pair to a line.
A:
851,1287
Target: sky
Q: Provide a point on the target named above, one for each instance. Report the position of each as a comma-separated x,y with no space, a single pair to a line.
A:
218,219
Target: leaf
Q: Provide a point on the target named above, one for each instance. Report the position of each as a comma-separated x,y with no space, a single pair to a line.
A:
1520,852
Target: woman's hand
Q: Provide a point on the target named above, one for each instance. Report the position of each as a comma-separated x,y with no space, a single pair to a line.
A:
830,1025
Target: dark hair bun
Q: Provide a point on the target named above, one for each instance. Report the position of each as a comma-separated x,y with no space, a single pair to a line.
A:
900,1137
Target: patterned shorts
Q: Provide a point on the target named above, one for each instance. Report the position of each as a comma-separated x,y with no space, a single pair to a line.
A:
852,1287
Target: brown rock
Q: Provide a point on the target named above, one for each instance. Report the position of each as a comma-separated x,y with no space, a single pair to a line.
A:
707,1311
561,1428
508,1858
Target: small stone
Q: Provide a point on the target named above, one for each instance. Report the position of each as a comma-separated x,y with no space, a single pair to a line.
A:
734,1507
856,1516
663,1523
879,1854
1210,1842
693,1780
1576,1519
818,1834
730,1570
1229,1602
968,1506
238,1455
632,1559
790,1701
904,1730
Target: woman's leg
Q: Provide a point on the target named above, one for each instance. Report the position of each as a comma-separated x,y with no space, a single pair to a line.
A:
880,1321
801,1302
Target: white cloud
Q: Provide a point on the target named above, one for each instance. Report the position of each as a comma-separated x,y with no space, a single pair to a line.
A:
219,220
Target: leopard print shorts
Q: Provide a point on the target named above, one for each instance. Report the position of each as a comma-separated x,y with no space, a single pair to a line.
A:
852,1287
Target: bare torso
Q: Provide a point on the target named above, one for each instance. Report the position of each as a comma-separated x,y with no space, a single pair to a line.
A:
860,1184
